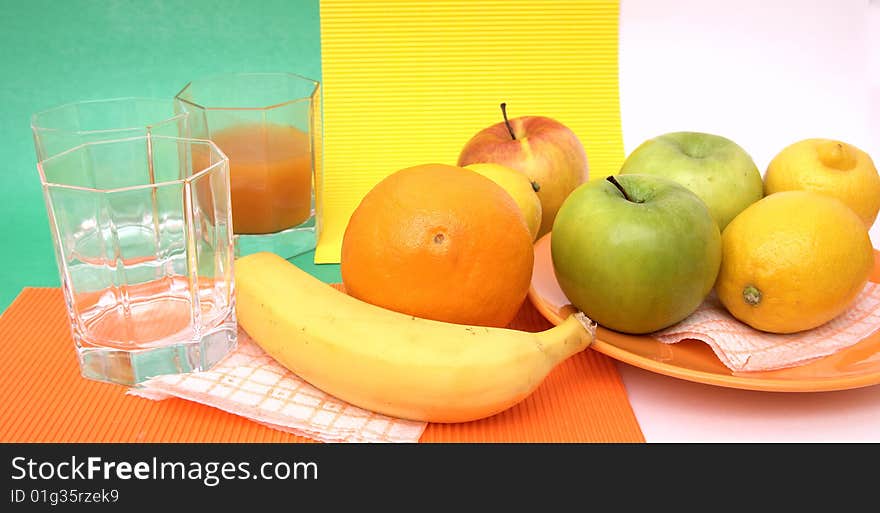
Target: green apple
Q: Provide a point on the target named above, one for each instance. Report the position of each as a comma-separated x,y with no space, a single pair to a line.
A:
635,253
715,168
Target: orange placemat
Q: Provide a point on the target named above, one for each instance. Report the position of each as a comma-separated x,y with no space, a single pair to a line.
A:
43,397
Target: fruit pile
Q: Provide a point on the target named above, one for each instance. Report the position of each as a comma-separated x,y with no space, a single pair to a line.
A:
437,260
690,212
454,243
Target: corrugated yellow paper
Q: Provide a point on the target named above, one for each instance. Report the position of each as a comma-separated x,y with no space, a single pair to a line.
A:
409,82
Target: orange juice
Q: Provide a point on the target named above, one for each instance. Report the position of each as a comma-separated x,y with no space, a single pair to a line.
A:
270,169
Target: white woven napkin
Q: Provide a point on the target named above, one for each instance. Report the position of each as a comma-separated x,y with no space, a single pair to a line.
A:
250,383
742,348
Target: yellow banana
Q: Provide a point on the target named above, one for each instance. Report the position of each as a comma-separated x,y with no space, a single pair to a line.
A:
389,362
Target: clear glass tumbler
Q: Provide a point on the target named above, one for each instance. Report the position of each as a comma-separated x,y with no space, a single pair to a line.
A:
269,125
142,230
66,126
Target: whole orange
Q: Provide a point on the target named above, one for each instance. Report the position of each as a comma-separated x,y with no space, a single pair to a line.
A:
439,242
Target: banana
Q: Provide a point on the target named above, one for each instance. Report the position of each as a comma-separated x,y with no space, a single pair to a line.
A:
389,362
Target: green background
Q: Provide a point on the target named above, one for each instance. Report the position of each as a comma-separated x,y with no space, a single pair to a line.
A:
55,52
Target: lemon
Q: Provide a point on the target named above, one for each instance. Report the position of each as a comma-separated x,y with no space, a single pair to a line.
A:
519,187
793,261
831,167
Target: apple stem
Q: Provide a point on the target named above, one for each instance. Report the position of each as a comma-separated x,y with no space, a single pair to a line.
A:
506,122
619,187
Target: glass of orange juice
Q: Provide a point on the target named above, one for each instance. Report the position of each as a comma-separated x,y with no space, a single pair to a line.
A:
268,125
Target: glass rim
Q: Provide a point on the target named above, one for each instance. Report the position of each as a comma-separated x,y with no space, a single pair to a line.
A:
224,160
36,126
316,84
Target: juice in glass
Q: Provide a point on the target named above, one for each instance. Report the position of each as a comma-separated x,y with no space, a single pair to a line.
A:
270,176
269,126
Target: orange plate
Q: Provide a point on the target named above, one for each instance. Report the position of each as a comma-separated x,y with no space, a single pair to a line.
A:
692,360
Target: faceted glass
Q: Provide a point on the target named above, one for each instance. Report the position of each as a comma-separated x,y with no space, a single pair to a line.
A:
64,127
143,240
269,125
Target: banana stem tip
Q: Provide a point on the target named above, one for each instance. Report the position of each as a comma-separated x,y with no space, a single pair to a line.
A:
588,324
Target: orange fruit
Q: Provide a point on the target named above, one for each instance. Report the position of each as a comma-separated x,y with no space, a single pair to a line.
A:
439,242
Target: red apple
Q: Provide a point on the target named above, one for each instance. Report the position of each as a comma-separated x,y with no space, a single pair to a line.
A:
544,149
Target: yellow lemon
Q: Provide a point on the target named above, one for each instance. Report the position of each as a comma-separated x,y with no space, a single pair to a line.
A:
519,187
793,261
831,167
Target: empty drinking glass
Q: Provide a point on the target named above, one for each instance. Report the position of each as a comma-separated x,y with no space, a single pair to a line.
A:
63,127
143,240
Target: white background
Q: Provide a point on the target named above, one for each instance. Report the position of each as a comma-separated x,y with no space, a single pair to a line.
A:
764,73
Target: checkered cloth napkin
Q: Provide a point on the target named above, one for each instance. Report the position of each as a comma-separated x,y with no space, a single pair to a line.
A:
742,348
250,383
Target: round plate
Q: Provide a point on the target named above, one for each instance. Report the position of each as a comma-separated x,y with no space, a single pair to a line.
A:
692,360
